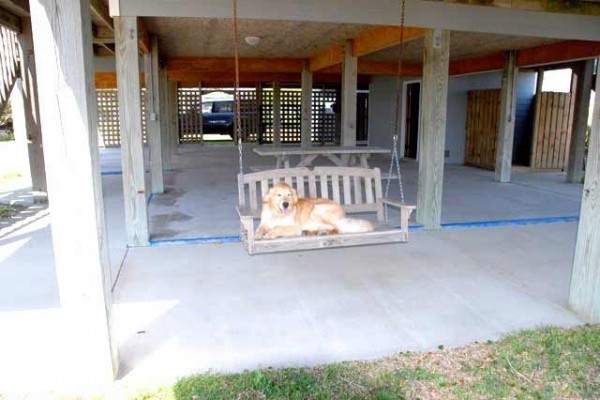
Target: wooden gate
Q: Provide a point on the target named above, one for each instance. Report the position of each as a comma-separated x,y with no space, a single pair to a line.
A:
483,108
552,131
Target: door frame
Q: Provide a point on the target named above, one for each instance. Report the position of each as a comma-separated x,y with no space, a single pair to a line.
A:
404,113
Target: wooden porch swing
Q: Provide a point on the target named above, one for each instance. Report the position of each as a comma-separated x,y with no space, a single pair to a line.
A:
358,190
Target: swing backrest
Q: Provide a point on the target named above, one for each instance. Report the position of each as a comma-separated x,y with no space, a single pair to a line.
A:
356,189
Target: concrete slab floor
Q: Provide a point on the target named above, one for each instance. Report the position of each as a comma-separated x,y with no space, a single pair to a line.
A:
217,309
185,309
201,192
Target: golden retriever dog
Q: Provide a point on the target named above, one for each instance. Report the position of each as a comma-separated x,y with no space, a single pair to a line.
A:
284,214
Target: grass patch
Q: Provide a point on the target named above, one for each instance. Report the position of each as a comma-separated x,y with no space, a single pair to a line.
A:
547,363
9,177
8,210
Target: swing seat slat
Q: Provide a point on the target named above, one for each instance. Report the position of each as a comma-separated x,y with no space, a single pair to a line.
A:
360,192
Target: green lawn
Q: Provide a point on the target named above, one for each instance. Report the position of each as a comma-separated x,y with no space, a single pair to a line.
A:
548,363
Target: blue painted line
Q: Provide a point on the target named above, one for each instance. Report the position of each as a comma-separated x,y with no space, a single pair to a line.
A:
198,240
103,173
150,197
412,228
498,223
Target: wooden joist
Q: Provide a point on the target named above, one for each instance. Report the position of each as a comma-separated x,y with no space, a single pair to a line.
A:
383,38
100,13
227,64
143,37
369,42
493,62
10,20
585,7
571,50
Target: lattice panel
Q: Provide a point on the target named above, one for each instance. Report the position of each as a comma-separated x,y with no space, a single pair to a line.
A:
291,115
190,109
323,117
109,134
249,115
266,116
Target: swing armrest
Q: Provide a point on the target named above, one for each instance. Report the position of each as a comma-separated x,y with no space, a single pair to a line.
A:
246,213
405,211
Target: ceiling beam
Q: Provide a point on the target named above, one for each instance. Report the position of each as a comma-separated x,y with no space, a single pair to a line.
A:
488,63
10,20
366,43
18,7
217,79
383,38
327,58
571,50
425,14
100,11
589,7
143,37
224,64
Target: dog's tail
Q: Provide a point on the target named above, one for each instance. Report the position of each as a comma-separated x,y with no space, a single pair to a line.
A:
352,225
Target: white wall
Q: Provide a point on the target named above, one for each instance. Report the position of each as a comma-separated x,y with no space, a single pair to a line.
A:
382,95
381,99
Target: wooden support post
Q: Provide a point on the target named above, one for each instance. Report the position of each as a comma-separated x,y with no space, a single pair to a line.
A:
164,120
583,91
433,133
276,114
506,125
536,118
31,113
130,115
306,122
259,101
153,119
584,295
174,117
200,116
349,86
62,33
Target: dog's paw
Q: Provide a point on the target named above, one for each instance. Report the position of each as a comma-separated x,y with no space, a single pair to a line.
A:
270,235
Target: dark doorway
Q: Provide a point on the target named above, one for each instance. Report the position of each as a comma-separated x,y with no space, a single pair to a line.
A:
413,103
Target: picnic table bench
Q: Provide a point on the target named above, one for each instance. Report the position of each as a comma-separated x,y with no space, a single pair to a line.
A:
340,156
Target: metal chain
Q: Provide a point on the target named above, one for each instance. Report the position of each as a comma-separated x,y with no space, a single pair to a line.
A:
396,113
238,118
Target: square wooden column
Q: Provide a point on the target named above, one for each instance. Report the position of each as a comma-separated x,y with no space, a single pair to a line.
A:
130,116
62,35
434,92
506,124
153,120
163,90
276,114
306,121
584,295
31,113
173,117
349,86
583,92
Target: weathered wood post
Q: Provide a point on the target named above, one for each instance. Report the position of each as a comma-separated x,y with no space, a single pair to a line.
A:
306,121
583,93
153,119
584,295
433,122
506,123
31,113
349,86
276,113
173,117
62,33
164,119
130,115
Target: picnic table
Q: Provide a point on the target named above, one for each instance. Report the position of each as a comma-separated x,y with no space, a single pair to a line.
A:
340,156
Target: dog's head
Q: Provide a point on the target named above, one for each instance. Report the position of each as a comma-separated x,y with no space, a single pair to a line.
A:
281,199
